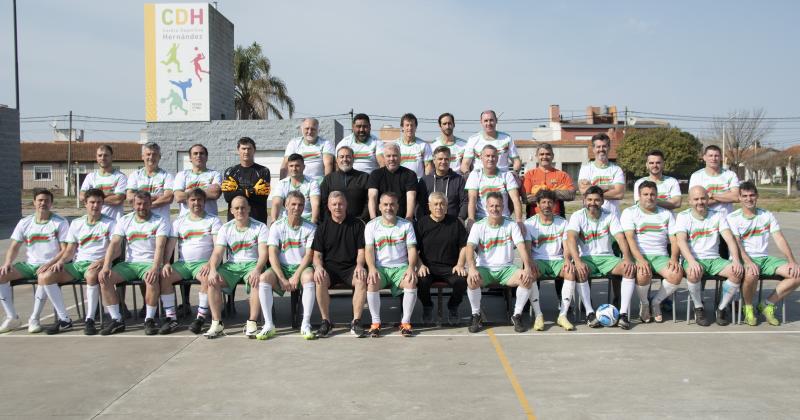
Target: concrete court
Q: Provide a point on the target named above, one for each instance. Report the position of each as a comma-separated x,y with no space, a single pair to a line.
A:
715,372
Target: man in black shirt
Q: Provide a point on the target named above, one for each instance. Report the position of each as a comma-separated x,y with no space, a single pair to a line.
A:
351,182
395,178
339,258
442,241
247,179
445,180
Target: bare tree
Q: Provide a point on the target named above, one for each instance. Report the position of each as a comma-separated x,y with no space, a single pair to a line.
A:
741,129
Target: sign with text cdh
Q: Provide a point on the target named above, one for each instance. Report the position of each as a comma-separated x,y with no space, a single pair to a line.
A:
176,62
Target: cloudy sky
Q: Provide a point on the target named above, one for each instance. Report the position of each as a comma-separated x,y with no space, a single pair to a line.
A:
427,57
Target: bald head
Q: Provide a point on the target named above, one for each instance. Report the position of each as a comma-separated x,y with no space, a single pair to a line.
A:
697,191
240,209
698,200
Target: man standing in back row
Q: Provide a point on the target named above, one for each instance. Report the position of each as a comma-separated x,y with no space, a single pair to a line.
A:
506,150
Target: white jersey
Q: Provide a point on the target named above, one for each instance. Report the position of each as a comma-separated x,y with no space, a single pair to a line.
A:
390,242
364,154
546,239
716,184
506,150
651,230
607,176
92,240
456,151
595,236
292,242
195,236
703,234
242,245
156,184
189,180
42,240
113,183
141,236
309,188
666,189
479,181
494,245
414,156
313,154
754,231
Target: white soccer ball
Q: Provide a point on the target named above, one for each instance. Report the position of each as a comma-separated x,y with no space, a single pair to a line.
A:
608,315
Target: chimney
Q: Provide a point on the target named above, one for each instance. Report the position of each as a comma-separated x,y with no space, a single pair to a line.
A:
555,113
589,115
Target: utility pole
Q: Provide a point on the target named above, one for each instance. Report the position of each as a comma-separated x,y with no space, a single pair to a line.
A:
16,59
789,177
69,157
724,126
351,116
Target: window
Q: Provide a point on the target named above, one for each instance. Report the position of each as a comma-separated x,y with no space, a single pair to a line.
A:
43,173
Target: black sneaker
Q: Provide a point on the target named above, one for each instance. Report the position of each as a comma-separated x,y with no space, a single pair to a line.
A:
150,327
700,317
592,322
722,317
516,320
452,317
197,325
113,327
169,326
89,328
324,328
356,328
624,322
475,323
58,327
427,315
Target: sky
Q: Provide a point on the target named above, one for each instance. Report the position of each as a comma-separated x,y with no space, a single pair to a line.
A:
428,57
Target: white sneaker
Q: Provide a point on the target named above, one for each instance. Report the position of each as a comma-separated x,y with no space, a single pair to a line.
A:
10,324
217,329
34,327
250,329
305,331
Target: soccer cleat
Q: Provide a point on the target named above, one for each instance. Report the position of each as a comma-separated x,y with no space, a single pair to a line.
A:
657,317
700,317
538,323
217,329
150,327
516,320
10,324
427,315
34,327
266,333
305,331
722,317
324,328
624,322
113,327
169,326
89,328
452,317
357,329
769,314
250,329
592,322
59,326
750,316
475,323
564,323
374,330
406,330
197,325
644,312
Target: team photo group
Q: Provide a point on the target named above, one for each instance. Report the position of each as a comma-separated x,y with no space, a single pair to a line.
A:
402,216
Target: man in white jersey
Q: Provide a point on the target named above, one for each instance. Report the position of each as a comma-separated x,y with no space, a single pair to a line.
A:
199,176
753,226
650,232
193,235
698,229
112,182
506,150
722,185
447,123
295,181
391,256
290,257
490,260
44,234
593,229
87,240
669,191
488,179
153,180
367,149
244,240
415,153
604,174
145,235
317,152
545,233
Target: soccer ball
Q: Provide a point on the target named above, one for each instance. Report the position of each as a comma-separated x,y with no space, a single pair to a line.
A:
607,315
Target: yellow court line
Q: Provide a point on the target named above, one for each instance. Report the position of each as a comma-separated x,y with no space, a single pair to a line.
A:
510,374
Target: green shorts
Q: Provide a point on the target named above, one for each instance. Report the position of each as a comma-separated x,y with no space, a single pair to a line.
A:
711,266
233,272
769,265
501,276
130,271
600,266
77,269
288,272
28,271
391,277
657,262
188,270
549,269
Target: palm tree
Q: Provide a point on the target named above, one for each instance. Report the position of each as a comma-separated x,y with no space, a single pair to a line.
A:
259,94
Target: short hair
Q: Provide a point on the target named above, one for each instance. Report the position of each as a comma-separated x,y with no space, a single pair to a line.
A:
748,186
295,194
655,152
394,146
494,194
647,184
490,147
94,192
245,141
364,117
437,194
545,146
546,194
39,191
141,195
712,147
295,157
107,148
197,192
444,115
594,189
408,117
494,114
152,146
198,145
442,149
348,148
337,194
391,194
601,136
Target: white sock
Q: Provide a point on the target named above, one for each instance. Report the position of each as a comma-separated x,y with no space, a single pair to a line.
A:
54,294
626,292
265,296
202,305
309,297
643,292
113,311
39,299
7,300
729,290
409,299
474,296
374,304
696,293
667,289
169,305
567,290
150,311
533,297
586,296
522,297
92,300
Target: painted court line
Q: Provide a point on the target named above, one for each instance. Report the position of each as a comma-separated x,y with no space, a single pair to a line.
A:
510,374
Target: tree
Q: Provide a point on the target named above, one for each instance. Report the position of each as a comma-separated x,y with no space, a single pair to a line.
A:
681,151
741,129
259,94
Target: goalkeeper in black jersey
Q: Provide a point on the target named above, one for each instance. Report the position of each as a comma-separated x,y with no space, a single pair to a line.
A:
247,179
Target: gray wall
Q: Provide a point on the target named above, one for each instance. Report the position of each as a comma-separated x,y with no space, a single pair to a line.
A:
220,66
10,209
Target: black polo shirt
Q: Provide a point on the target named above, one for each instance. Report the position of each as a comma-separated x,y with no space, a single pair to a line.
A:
339,243
353,185
439,243
398,182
